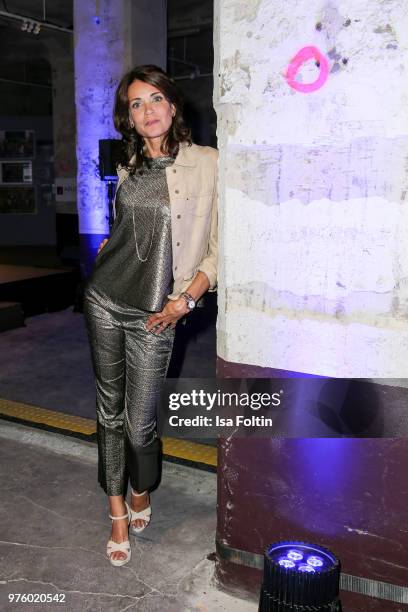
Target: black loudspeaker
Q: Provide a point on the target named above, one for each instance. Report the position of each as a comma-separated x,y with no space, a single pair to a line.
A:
110,153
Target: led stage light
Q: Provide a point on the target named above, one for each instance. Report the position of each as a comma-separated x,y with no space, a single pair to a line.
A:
300,577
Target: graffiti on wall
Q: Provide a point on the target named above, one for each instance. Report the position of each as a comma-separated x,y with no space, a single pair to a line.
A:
303,56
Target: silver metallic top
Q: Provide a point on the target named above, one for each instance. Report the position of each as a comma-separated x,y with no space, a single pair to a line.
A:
135,266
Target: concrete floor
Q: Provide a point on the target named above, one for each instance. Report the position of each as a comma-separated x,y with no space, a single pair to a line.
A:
48,364
54,527
53,516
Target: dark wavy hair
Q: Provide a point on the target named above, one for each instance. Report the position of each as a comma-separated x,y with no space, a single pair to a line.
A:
132,142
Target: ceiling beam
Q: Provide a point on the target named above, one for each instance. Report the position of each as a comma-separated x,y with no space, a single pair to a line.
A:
44,24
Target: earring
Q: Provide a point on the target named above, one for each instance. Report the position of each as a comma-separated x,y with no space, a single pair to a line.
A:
132,125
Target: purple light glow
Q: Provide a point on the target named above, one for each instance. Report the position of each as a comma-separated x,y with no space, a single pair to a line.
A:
317,459
300,556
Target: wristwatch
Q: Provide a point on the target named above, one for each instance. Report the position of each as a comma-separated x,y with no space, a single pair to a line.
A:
190,301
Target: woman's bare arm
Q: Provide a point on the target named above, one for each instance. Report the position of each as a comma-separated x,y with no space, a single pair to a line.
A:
175,309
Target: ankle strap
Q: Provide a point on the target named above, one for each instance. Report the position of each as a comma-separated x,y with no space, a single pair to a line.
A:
118,518
138,494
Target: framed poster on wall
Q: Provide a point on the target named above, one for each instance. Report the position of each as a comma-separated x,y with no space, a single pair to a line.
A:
16,144
17,200
16,172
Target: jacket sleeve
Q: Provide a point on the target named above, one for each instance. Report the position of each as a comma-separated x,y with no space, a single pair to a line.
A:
209,263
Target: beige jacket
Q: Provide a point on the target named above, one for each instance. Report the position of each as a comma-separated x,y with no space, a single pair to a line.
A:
192,184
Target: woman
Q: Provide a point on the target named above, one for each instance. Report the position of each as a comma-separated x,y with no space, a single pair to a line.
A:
161,257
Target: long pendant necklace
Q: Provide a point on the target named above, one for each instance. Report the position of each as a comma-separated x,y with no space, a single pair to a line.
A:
143,259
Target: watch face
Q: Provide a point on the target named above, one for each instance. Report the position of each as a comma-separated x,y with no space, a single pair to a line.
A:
191,304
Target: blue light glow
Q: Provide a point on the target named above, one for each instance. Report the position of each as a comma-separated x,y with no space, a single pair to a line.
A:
306,568
287,563
315,561
300,576
95,93
317,459
295,555
301,557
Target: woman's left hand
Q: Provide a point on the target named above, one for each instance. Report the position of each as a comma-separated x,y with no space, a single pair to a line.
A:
171,313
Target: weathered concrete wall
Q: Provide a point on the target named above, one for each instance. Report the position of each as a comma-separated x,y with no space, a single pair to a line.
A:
344,494
107,36
102,54
313,184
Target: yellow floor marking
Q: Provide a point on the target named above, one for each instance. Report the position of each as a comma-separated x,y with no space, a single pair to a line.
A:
26,412
182,449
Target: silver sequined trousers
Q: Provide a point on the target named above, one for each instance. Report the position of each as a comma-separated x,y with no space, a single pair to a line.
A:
130,364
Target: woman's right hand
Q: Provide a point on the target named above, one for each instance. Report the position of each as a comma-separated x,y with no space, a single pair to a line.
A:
100,247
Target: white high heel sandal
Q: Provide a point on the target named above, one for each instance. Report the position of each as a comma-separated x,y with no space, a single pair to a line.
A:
123,547
143,515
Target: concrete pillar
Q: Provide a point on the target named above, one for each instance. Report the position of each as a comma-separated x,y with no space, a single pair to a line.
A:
107,36
312,115
314,221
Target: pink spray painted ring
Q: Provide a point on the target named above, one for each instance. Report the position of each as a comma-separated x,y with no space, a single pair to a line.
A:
300,58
